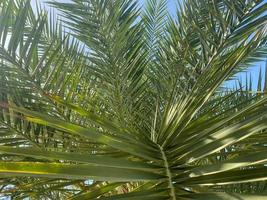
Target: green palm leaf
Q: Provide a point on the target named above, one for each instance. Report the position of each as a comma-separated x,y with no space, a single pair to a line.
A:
112,101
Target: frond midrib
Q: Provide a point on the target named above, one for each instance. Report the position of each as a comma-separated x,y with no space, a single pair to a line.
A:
168,173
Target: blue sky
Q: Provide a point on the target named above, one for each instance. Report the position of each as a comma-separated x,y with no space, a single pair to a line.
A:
253,70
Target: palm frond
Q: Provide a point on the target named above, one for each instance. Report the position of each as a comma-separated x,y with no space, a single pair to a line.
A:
115,102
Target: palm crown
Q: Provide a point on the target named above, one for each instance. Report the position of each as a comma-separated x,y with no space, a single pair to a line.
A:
116,102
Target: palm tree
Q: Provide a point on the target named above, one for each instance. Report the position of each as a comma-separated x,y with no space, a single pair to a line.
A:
110,101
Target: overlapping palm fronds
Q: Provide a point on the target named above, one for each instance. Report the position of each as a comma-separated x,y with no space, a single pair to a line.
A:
118,102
